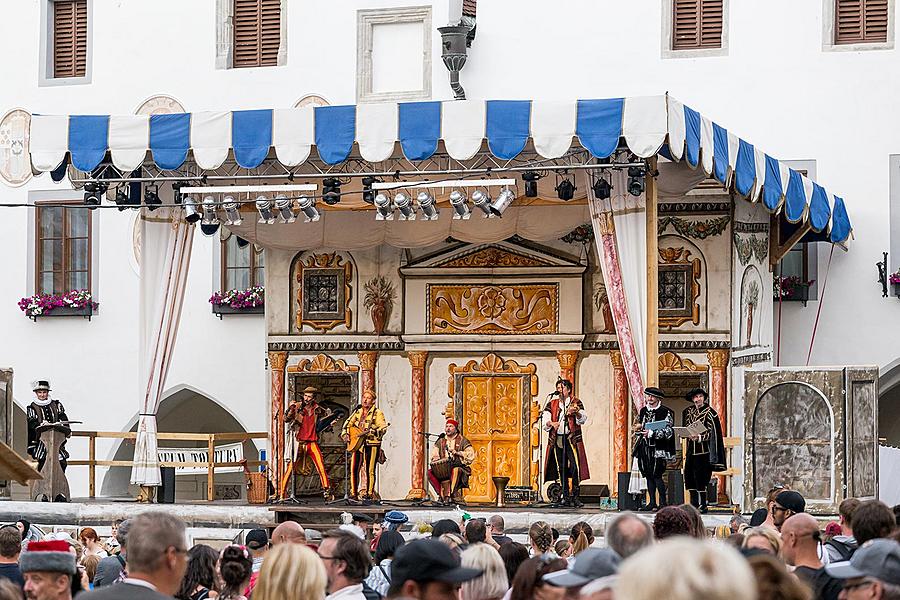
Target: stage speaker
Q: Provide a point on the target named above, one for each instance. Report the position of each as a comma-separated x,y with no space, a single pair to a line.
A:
593,493
674,487
166,494
625,500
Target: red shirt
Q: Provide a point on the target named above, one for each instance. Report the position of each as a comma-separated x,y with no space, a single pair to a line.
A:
307,429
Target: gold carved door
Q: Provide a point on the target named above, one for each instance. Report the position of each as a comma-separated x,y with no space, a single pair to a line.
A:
492,421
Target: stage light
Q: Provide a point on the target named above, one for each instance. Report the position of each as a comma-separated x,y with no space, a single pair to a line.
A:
635,181
264,207
504,199
209,211
531,178
177,196
93,193
284,207
482,200
232,213
308,205
426,203
122,200
151,197
191,214
565,190
602,189
331,190
368,194
384,207
460,206
403,203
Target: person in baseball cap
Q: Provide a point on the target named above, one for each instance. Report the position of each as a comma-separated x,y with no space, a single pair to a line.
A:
257,542
590,564
427,569
48,568
872,572
787,504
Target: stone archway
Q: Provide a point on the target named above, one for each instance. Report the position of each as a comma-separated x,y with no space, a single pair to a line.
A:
889,403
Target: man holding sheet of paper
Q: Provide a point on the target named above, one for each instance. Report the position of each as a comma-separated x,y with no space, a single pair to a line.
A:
655,444
705,450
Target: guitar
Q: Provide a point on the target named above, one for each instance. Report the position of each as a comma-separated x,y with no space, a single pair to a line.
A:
357,437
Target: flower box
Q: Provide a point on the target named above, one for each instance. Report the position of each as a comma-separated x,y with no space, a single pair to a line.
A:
251,301
69,311
791,289
76,303
225,309
896,288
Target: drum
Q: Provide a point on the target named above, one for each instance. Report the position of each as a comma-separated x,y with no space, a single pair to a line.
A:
442,469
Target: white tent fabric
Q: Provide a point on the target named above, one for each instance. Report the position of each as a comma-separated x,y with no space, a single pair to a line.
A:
889,475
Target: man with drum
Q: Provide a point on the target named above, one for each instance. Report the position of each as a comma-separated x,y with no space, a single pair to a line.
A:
451,460
363,432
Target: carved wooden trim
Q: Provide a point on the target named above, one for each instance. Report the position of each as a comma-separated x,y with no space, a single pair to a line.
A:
322,363
615,357
493,365
678,259
333,261
718,359
367,359
567,358
277,360
669,362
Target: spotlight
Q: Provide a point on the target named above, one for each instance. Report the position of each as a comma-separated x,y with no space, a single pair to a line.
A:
177,197
368,194
426,203
209,211
531,178
308,206
233,215
602,189
483,201
264,206
93,193
403,203
460,206
504,199
191,213
635,181
331,190
565,190
151,197
122,200
284,207
384,207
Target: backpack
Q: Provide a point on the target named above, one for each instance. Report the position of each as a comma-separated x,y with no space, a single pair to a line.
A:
369,593
844,549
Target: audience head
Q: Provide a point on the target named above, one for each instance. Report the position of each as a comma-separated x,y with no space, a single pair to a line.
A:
800,537
736,540
289,532
872,572
737,523
427,570
541,536
235,568
529,579
10,541
156,549
698,529
291,571
24,527
346,559
762,538
627,533
122,533
846,510
497,525
787,503
774,582
476,531
671,521
581,537
90,564
48,569
833,529
89,537
387,545
563,548
454,541
513,555
200,572
443,526
713,572
590,565
492,584
896,510
257,541
872,519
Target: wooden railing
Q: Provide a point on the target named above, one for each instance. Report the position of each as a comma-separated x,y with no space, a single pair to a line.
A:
210,438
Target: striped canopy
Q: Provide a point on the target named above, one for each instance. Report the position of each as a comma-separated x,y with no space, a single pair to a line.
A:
648,125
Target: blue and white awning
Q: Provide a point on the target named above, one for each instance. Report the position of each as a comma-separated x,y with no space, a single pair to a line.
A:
648,125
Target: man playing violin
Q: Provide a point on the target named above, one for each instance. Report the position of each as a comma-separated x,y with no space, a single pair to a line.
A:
363,432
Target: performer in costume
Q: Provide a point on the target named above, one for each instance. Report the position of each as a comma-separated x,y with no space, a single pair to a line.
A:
304,417
705,452
565,446
370,420
452,445
44,410
655,448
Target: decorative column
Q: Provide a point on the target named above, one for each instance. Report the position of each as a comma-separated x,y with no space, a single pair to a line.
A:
567,360
718,398
367,360
417,361
277,362
620,417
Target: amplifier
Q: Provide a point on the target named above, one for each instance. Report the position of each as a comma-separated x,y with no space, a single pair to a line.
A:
519,494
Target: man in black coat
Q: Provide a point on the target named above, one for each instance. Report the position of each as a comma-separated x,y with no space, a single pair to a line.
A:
655,446
705,451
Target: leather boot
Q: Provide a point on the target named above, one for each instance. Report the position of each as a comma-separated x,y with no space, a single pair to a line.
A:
703,507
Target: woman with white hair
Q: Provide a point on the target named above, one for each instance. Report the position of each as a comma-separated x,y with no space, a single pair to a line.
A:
686,569
493,583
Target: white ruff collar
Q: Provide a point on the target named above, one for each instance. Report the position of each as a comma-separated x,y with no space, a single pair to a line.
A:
43,402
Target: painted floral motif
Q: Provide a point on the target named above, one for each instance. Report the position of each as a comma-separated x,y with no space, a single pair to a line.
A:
249,298
41,304
491,303
583,234
695,229
751,246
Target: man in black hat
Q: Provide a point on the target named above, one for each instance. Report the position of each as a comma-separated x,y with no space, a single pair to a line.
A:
427,570
787,504
655,446
44,410
705,451
257,542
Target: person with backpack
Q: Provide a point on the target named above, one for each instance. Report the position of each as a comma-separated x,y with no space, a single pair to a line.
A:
841,547
379,578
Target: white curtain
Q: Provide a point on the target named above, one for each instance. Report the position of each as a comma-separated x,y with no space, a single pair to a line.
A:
889,475
166,241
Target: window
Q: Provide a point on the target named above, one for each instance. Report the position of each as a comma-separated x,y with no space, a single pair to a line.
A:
697,24
70,38
63,249
243,264
257,33
860,21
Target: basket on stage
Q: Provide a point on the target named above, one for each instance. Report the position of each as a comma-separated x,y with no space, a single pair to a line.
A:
442,469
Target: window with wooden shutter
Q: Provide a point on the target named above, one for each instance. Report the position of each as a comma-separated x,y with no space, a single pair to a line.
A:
860,21
70,29
697,24
257,32
63,252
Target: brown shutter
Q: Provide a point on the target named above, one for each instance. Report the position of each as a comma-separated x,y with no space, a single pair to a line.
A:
860,21
257,32
469,8
70,38
697,24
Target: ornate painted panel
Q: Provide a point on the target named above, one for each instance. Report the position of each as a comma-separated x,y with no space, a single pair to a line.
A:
324,289
679,287
493,309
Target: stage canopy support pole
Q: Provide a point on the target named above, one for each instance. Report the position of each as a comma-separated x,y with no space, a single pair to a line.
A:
652,375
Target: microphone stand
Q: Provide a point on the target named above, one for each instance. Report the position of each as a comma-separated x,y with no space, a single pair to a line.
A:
539,499
427,437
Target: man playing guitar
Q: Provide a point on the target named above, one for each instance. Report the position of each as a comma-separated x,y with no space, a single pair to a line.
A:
450,464
363,432
304,418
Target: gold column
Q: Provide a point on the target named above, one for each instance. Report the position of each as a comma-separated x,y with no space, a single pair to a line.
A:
417,361
277,362
620,417
367,361
718,398
567,360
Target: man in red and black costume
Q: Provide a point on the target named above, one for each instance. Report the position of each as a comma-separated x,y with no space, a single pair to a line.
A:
303,418
566,459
